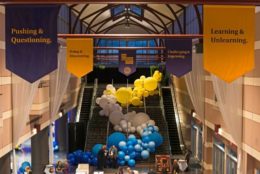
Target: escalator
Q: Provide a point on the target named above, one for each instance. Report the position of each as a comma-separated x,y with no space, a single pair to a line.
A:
171,121
86,104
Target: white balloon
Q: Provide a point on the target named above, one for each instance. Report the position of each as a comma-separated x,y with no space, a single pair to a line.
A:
97,100
109,86
156,128
140,118
144,125
139,128
117,127
103,102
123,122
120,129
151,122
115,117
129,124
102,112
124,126
132,129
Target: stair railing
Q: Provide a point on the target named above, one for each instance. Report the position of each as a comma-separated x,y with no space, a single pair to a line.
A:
163,114
93,102
80,99
176,113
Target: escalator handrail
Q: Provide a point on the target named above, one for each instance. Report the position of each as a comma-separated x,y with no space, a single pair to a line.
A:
93,102
80,99
177,116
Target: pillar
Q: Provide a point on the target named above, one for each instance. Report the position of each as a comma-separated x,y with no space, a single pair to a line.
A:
5,163
208,149
40,151
61,133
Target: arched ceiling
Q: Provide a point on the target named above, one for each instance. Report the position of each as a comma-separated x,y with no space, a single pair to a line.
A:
112,18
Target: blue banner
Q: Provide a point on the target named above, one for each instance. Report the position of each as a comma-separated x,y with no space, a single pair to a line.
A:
31,40
179,56
127,62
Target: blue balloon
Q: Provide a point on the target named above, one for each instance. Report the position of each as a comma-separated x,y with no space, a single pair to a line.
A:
26,164
127,157
145,133
115,138
122,163
139,141
138,155
145,154
130,148
124,148
132,155
131,137
85,158
121,155
150,128
96,149
146,139
151,150
151,144
88,153
94,161
131,163
129,142
145,145
156,138
138,147
122,144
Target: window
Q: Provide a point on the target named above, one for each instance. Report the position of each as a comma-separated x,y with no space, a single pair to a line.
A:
231,165
218,157
137,10
117,10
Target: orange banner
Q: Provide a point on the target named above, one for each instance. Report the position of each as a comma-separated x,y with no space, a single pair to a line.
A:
80,56
229,38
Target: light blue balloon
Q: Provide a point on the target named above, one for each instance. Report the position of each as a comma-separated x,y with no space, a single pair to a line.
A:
131,163
145,133
131,137
145,154
139,141
121,155
122,144
127,157
138,147
150,128
145,145
156,128
151,144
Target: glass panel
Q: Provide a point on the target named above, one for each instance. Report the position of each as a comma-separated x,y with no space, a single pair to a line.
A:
136,10
193,140
200,146
117,10
218,158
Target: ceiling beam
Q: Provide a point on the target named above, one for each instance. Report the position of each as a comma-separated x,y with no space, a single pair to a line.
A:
78,17
224,2
176,18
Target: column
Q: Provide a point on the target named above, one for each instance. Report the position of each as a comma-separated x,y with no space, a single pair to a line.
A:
208,149
5,163
40,151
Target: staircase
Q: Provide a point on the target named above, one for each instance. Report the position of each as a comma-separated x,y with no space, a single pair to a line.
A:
86,104
97,125
171,121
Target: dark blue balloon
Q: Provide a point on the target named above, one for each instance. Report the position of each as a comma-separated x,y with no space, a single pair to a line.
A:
157,138
146,139
115,138
121,163
130,148
96,148
138,155
124,149
132,155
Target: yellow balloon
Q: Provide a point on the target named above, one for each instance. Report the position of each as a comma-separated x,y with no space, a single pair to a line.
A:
142,77
150,84
151,93
123,95
136,101
146,94
107,92
138,83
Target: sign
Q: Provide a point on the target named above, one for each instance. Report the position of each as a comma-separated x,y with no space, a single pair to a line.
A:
31,40
163,163
179,56
127,62
80,56
229,38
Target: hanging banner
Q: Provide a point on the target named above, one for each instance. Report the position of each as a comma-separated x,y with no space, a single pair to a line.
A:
31,40
179,56
127,62
229,38
80,56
